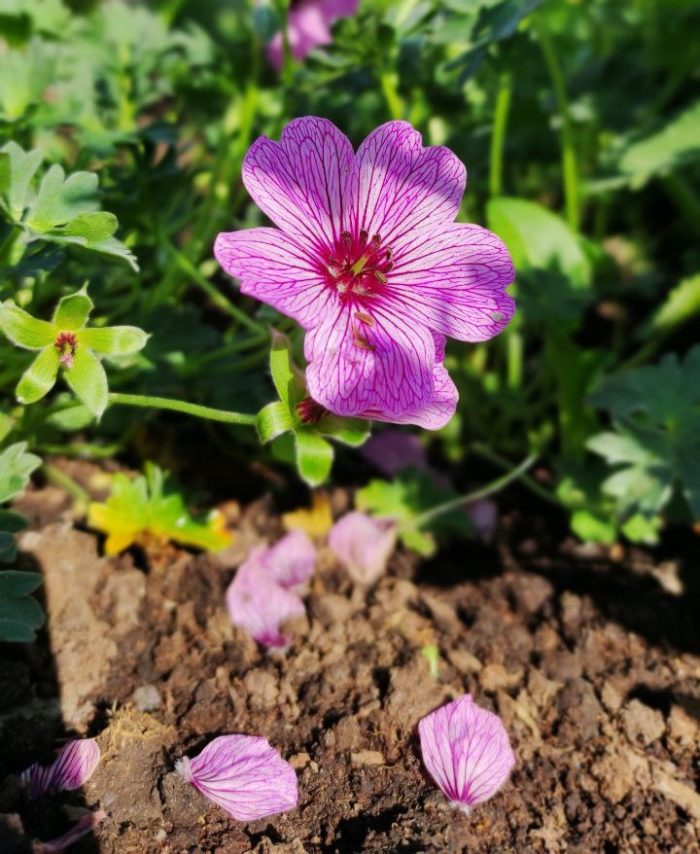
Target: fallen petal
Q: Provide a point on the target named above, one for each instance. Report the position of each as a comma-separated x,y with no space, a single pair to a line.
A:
80,829
73,766
484,516
259,605
290,561
363,545
467,752
244,775
393,451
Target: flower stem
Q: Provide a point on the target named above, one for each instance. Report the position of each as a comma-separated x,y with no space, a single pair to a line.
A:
498,137
494,486
568,150
388,80
60,478
207,412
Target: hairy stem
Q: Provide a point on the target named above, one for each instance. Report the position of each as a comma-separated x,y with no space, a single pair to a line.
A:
206,412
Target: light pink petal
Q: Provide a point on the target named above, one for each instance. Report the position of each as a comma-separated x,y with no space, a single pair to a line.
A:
305,181
85,825
259,605
467,752
290,562
74,765
309,26
403,186
380,370
276,270
393,451
435,413
484,516
363,545
454,281
244,775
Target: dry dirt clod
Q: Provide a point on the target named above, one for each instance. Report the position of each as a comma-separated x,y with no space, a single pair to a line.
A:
642,724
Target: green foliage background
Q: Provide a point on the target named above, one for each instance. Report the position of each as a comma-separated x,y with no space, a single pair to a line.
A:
124,128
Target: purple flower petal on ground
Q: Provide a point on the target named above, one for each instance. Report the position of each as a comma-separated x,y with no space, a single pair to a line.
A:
73,766
363,545
81,828
259,605
290,561
309,26
467,752
484,515
367,258
244,775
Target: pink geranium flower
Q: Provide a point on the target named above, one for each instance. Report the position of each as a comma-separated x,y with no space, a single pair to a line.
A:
467,752
368,259
244,775
309,26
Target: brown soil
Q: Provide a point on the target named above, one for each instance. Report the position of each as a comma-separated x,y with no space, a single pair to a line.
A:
592,664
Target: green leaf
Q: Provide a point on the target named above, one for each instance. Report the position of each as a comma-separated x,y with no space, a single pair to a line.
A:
8,550
23,330
538,239
88,381
114,340
17,168
314,456
25,610
643,529
681,304
16,467
15,584
273,420
286,377
94,231
348,431
12,521
665,150
15,631
592,528
61,199
72,311
40,377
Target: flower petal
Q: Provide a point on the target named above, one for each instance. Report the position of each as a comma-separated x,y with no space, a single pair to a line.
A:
81,828
363,545
379,369
309,26
73,766
276,270
393,451
259,605
303,182
244,775
454,281
290,562
403,186
466,750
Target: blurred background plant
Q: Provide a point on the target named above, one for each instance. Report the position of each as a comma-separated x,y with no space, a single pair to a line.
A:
124,127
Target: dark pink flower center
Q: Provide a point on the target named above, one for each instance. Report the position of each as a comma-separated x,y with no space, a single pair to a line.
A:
66,343
357,267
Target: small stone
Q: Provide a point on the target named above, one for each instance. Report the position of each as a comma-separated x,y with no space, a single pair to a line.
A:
146,698
642,724
330,608
495,677
611,697
299,761
464,661
367,757
682,728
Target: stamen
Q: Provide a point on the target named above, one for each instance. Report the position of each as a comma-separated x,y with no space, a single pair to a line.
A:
363,236
367,319
388,267
359,265
389,253
346,238
361,341
380,277
376,241
66,343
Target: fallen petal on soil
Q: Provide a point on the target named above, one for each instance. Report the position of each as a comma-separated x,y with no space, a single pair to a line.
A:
72,767
467,752
363,545
244,775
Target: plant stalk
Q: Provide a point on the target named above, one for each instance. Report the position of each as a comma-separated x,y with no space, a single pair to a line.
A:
206,412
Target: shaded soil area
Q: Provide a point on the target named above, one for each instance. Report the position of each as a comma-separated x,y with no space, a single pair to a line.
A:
593,664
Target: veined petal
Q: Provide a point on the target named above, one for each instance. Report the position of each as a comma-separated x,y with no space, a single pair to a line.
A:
244,775
435,413
403,186
73,766
363,545
372,366
466,750
454,281
309,26
276,270
259,605
303,182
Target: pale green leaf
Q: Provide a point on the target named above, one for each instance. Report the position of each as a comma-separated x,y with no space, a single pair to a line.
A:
17,168
61,199
40,377
286,377
88,381
314,456
23,330
273,420
73,311
681,305
348,431
16,466
114,340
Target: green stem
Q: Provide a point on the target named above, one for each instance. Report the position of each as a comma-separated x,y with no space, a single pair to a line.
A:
498,136
492,457
195,409
494,486
685,198
388,81
568,150
60,478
